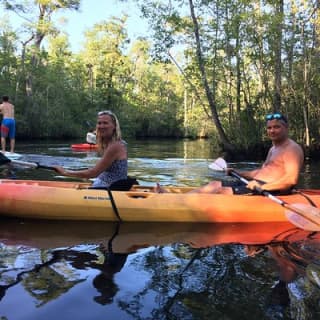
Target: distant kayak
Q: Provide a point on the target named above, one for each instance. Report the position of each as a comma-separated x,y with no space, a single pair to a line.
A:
84,146
13,155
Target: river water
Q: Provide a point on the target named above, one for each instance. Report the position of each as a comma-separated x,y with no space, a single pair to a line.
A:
77,270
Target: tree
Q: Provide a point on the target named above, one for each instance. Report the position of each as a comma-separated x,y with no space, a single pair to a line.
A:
103,53
38,23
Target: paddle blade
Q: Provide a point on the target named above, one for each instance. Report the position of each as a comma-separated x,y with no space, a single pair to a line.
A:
218,165
304,216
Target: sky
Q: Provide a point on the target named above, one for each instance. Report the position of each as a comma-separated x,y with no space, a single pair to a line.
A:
94,11
91,12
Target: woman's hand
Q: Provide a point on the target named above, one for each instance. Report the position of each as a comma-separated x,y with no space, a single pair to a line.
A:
60,170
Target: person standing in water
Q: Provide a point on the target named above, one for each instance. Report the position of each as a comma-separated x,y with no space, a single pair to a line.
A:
8,125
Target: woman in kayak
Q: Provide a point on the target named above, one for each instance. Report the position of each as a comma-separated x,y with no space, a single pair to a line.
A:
113,165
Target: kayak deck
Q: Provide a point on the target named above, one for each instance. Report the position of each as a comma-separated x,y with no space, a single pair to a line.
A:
74,201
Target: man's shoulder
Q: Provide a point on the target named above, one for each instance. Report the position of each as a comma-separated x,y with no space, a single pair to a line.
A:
6,105
294,149
294,144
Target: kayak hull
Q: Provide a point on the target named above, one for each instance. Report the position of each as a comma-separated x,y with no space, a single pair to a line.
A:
74,201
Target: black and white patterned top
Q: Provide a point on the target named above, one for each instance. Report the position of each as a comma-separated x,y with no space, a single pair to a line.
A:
117,171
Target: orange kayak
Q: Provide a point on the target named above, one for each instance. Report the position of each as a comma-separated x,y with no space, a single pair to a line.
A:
74,201
84,146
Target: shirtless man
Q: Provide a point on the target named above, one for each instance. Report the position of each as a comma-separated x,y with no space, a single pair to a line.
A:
8,125
279,172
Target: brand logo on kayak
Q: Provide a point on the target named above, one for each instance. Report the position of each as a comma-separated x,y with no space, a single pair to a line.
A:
95,198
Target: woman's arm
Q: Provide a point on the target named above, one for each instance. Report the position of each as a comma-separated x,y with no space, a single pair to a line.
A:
115,151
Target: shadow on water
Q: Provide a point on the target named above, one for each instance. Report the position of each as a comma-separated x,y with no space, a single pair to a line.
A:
96,270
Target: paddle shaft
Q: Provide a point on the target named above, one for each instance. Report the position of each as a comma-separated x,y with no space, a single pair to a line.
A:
32,165
275,199
35,165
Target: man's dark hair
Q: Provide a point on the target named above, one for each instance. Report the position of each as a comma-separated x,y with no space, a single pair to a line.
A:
5,98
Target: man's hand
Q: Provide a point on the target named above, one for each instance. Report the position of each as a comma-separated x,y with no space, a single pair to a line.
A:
255,185
228,171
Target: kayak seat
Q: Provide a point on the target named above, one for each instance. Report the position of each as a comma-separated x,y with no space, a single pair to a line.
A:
124,185
120,185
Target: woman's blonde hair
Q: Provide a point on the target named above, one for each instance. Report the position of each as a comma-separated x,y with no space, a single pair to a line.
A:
116,134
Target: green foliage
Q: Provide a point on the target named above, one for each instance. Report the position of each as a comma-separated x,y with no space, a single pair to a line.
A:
8,60
155,91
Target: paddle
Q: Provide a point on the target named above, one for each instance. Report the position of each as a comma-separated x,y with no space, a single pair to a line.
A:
35,165
303,216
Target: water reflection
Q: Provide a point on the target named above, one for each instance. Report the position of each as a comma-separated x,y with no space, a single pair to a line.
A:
52,278
7,172
182,270
296,287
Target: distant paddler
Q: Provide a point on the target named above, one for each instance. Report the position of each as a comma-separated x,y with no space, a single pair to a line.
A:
91,136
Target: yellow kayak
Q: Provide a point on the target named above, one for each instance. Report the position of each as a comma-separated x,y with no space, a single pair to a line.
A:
74,201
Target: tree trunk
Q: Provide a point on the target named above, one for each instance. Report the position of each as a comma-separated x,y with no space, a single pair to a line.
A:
277,57
223,138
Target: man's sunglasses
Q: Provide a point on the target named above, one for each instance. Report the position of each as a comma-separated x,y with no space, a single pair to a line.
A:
277,116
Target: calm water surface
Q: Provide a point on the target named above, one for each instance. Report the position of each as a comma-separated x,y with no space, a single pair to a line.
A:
76,270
